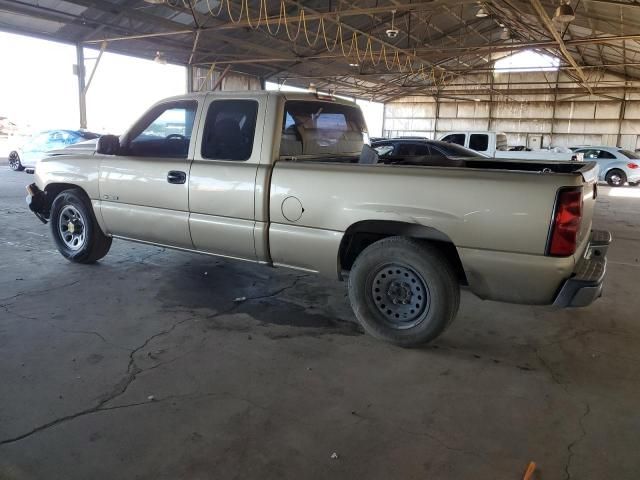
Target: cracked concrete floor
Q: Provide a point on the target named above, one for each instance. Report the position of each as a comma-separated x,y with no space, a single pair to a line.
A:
143,366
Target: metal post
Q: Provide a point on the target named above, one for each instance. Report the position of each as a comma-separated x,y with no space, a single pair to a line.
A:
190,79
553,112
435,120
623,111
384,118
82,96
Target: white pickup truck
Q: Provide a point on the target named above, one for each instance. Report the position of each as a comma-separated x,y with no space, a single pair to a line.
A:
286,180
494,144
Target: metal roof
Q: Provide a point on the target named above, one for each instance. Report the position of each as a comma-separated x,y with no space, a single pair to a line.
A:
436,40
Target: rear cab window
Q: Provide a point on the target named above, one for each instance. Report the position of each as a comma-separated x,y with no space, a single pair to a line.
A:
229,130
321,128
457,138
479,142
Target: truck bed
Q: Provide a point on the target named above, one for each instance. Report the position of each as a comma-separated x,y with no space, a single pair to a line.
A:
513,165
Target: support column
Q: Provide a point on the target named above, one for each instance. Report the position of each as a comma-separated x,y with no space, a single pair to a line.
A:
82,96
384,118
623,111
190,83
437,116
553,112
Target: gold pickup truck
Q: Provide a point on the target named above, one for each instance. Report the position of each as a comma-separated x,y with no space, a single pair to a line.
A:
288,180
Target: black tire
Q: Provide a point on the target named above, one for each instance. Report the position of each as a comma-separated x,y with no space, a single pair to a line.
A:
634,184
75,229
14,162
616,178
385,289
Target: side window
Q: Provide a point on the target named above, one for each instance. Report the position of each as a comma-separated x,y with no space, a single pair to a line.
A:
383,149
165,131
457,138
479,142
229,130
55,137
606,155
422,149
405,150
589,154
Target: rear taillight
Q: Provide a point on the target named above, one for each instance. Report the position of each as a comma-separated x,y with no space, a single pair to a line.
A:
566,223
632,165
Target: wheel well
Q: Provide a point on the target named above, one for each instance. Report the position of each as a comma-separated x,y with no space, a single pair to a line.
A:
52,190
362,234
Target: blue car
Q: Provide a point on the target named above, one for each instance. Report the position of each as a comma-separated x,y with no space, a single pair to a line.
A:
39,144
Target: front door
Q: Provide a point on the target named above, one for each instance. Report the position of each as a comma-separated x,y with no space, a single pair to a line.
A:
144,192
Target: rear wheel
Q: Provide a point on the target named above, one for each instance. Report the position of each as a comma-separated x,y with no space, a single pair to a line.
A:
616,178
634,184
403,291
75,229
14,162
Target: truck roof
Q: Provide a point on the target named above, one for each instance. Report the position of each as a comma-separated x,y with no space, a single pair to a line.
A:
261,93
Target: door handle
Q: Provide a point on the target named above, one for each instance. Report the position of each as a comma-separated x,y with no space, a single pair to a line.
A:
175,176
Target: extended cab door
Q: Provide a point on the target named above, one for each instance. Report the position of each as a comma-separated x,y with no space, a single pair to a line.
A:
222,184
144,191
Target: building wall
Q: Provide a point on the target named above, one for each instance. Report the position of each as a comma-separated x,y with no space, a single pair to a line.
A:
558,119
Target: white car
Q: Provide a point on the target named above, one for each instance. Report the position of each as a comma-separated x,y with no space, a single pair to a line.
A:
617,166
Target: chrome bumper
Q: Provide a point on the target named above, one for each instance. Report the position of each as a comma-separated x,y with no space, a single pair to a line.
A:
585,285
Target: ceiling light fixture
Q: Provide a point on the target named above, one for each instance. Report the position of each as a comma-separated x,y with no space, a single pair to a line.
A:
159,58
354,64
482,12
154,2
505,34
564,13
393,32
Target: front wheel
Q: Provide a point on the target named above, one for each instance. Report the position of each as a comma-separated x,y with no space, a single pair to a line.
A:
75,229
403,291
14,162
634,184
616,178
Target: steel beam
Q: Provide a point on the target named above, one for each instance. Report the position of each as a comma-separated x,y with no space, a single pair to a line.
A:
82,88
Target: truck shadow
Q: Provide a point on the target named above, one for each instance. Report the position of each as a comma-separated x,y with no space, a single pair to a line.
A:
226,293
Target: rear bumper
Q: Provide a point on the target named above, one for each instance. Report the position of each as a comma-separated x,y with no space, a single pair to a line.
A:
37,202
585,285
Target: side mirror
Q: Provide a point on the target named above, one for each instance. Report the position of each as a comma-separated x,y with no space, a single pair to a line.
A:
108,145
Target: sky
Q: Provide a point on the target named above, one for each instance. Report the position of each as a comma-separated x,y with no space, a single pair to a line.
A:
39,91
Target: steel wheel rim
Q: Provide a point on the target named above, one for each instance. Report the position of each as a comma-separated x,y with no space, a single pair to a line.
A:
400,295
616,179
14,161
71,226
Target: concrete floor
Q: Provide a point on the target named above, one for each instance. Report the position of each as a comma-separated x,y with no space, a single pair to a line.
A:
144,367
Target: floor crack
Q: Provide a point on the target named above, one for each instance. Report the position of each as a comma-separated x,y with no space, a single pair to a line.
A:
583,434
121,387
38,292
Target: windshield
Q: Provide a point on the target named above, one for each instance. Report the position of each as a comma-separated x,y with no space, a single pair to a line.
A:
629,154
311,127
453,150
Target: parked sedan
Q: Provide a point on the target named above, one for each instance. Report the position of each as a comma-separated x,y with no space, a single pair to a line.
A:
36,147
617,166
410,147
